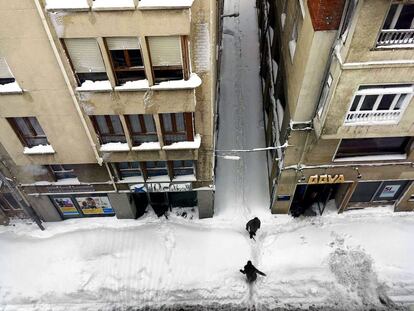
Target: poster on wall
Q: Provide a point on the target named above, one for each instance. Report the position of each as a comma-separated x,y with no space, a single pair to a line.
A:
389,191
66,206
95,205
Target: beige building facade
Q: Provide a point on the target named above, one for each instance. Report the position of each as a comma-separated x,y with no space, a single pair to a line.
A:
106,108
338,86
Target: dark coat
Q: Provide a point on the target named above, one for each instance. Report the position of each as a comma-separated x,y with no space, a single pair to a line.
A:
251,272
252,226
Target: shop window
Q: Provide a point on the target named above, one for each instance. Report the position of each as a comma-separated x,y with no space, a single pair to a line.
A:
373,147
379,191
154,168
379,104
167,58
29,131
86,59
183,167
177,127
108,128
126,59
128,169
141,128
183,199
62,171
6,76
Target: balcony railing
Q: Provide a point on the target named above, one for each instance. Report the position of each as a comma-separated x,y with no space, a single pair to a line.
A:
393,37
379,116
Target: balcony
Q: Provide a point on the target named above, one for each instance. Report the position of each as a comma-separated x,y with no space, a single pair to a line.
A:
396,38
373,117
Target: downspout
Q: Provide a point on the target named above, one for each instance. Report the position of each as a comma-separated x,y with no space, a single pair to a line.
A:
67,81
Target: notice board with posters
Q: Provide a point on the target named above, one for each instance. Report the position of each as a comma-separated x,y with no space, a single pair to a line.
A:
94,205
66,206
72,205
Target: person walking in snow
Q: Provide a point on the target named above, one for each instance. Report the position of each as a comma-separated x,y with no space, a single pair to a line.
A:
251,272
252,226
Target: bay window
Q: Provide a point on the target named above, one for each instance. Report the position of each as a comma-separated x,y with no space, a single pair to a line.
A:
128,169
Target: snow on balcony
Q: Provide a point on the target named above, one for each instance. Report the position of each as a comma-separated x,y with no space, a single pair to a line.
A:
373,117
147,146
396,38
70,5
165,4
185,144
95,86
64,181
112,5
39,149
114,147
10,88
184,178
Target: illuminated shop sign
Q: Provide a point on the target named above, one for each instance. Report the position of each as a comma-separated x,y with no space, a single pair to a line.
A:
326,179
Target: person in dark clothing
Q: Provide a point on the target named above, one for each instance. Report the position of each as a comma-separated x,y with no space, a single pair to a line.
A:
251,272
252,226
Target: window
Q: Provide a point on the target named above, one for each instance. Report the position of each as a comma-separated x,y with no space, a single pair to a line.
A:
398,29
29,131
373,146
154,168
346,22
183,167
6,76
128,169
142,128
86,59
108,128
379,104
62,171
126,59
379,191
177,127
167,59
8,202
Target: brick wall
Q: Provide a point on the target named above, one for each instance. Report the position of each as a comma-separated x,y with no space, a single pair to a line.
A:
326,14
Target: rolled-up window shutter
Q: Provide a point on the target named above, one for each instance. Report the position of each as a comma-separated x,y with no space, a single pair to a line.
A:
125,43
5,72
165,51
85,55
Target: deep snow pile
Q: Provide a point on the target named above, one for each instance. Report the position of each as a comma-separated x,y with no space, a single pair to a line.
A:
351,261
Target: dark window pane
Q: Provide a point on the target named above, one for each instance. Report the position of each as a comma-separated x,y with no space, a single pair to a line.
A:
369,102
36,126
116,124
149,123
118,58
131,75
179,119
165,74
372,146
400,102
390,16
183,199
123,165
406,17
134,123
166,119
135,58
103,127
390,190
92,76
364,191
6,80
386,101
355,102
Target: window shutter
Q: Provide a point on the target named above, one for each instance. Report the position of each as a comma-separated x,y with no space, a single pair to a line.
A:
119,43
85,55
5,72
165,51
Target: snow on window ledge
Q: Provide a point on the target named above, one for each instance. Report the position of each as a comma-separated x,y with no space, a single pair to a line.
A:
10,88
71,5
114,147
182,178
161,178
384,157
64,181
143,85
165,4
112,5
185,144
39,149
95,86
147,146
131,179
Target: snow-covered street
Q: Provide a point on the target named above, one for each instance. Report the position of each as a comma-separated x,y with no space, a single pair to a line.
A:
336,261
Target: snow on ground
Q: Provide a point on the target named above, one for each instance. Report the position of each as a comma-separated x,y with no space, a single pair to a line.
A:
241,186
336,262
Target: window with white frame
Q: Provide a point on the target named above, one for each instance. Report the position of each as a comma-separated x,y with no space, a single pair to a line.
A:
398,28
379,104
86,59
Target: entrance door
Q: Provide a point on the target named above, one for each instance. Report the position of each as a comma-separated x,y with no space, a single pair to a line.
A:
311,200
159,202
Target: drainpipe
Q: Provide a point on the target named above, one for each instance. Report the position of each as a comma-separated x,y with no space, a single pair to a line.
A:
67,81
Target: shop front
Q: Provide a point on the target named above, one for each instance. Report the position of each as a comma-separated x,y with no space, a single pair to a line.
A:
74,206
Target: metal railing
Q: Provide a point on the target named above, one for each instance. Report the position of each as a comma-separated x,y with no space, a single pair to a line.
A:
402,37
373,116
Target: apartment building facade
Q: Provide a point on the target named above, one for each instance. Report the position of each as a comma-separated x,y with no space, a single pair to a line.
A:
108,106
338,85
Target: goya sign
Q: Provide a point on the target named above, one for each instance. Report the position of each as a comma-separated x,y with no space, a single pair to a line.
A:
326,179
